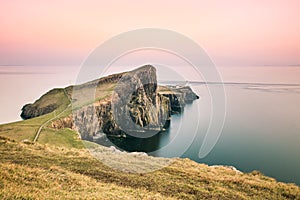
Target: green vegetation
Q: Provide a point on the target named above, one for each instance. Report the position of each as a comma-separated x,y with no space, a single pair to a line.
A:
24,130
63,137
27,129
89,95
55,99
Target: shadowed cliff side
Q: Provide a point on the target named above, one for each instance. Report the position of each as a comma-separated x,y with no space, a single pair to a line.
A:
129,102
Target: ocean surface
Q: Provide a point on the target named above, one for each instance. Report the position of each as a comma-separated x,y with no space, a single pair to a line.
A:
261,129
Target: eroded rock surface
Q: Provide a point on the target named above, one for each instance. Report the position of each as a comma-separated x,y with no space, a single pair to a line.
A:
133,104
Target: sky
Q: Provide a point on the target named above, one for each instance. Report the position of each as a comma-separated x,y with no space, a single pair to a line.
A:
233,32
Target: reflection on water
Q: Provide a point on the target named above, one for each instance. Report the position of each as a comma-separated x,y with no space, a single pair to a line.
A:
132,144
261,132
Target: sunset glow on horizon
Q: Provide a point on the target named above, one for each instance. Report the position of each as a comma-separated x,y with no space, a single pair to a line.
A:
233,33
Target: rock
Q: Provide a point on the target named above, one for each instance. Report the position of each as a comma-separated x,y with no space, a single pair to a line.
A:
26,141
139,153
30,111
44,105
179,96
114,149
66,122
136,106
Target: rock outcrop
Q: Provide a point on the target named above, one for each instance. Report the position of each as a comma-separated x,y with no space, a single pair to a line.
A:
30,111
133,104
135,107
178,96
46,104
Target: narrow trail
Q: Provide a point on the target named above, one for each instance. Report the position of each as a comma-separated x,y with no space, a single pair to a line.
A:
53,118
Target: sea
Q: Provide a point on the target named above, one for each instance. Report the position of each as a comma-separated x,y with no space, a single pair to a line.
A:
260,130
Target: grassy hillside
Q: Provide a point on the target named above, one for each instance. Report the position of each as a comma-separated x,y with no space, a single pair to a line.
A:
55,172
27,130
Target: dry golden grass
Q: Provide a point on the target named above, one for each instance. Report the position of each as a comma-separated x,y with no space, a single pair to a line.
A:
56,172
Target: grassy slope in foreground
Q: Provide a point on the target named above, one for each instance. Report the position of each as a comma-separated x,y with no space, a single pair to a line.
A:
52,172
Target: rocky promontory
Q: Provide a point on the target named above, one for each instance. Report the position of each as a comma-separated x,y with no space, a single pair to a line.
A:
126,103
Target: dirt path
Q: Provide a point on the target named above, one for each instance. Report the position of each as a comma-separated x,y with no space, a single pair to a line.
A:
53,118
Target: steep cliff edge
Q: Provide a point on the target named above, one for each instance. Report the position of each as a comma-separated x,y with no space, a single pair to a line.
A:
129,102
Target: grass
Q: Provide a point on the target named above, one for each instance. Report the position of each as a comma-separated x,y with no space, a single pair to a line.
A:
84,96
55,96
54,172
26,129
62,137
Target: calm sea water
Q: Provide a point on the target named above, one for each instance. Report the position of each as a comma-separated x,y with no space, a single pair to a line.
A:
261,130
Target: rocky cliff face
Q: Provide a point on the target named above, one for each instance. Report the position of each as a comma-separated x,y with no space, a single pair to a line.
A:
49,102
133,104
135,107
31,111
178,96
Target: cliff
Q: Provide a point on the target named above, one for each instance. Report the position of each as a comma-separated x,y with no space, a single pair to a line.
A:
48,103
126,103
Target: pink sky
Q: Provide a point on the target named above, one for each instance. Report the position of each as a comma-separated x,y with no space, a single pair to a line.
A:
232,32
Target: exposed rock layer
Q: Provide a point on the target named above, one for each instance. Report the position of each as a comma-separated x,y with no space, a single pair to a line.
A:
46,104
136,105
